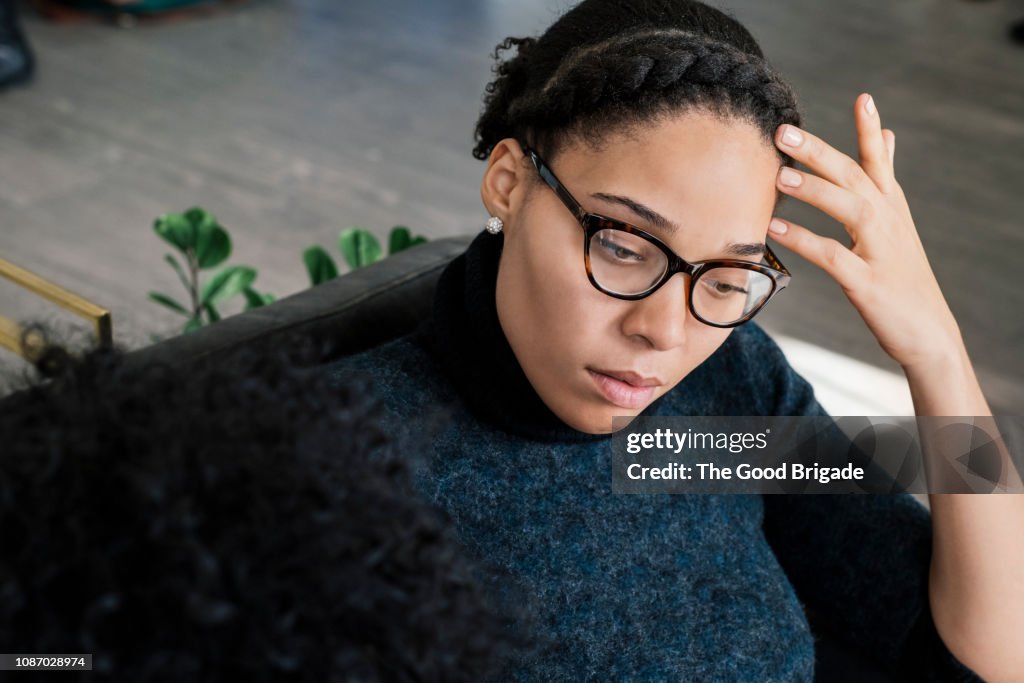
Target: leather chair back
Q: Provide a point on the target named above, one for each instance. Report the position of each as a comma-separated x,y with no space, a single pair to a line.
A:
348,314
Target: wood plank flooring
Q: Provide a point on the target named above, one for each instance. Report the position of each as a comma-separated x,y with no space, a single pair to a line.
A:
291,120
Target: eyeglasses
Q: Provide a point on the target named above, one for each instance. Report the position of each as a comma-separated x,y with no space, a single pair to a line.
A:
626,262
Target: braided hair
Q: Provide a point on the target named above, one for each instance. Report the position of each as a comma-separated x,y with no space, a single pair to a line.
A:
614,65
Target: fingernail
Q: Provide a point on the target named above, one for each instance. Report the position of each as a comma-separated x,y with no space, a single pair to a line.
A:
791,136
778,227
869,105
790,177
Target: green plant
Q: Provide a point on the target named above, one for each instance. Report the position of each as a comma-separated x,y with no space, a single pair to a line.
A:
204,244
359,247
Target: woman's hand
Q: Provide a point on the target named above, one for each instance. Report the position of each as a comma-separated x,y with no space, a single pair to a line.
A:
975,586
884,271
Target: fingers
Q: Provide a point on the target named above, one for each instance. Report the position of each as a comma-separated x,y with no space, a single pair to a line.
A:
840,263
890,144
849,208
874,155
875,169
823,159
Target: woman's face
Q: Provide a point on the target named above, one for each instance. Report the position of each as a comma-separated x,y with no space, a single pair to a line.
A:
713,180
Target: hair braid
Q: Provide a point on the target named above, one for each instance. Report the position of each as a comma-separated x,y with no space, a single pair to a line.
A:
630,77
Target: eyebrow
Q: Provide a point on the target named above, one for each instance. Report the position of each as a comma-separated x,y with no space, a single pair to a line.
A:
746,248
645,212
656,219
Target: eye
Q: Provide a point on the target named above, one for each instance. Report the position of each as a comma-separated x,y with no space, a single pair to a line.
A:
617,251
722,289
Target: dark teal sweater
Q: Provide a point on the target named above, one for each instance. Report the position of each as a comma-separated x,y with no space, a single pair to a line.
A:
651,587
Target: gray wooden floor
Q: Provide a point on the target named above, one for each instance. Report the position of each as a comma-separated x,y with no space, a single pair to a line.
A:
291,120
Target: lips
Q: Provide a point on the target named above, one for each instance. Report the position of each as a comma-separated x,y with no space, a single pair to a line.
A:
631,378
625,389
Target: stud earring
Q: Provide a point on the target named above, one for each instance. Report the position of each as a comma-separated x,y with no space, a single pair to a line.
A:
494,225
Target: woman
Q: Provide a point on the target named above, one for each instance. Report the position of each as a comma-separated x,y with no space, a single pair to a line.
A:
664,118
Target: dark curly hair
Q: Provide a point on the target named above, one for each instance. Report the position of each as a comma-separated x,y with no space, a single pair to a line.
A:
612,65
244,521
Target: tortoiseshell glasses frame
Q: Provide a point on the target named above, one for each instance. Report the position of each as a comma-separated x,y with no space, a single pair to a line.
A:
593,223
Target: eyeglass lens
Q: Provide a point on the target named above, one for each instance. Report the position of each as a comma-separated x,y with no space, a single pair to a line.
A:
623,263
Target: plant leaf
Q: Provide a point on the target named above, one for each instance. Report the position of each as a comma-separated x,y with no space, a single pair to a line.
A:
213,244
399,239
319,265
179,270
212,247
419,239
253,299
256,299
227,283
211,311
169,303
176,229
359,247
193,325
197,216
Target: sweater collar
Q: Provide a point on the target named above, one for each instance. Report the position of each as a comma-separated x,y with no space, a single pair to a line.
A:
465,336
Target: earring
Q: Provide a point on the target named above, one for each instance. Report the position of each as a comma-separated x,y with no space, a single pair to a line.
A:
494,225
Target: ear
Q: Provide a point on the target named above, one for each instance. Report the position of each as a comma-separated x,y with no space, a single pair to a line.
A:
504,181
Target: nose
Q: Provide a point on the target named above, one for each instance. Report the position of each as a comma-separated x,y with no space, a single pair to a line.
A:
661,318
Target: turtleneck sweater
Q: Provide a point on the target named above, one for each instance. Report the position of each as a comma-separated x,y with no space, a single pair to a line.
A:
465,336
651,587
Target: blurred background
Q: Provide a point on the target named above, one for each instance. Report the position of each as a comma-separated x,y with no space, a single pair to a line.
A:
290,120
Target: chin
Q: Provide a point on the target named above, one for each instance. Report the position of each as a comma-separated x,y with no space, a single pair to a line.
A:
600,419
